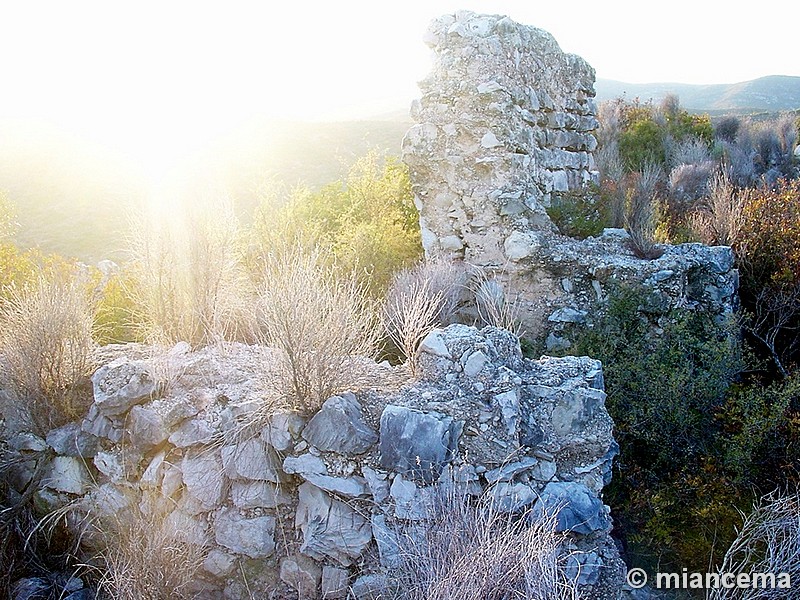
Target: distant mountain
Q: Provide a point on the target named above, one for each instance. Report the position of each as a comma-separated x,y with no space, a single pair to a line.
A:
772,93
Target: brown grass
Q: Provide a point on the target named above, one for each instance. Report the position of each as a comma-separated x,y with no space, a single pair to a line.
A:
469,549
319,322
641,217
419,300
768,542
143,558
188,276
721,218
46,343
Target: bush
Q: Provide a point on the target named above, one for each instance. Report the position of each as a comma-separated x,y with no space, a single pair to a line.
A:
768,252
319,323
468,548
188,279
768,542
665,391
143,557
46,340
720,220
419,300
641,217
367,222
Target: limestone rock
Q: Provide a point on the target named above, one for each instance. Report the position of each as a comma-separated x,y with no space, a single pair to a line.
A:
219,563
254,537
71,440
282,429
192,432
257,494
581,511
67,474
303,574
146,427
334,583
203,478
330,527
417,444
339,427
121,384
252,459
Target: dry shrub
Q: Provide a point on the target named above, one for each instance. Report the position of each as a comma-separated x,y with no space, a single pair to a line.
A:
689,181
641,219
189,281
721,218
492,304
420,299
768,542
467,548
322,324
46,343
143,557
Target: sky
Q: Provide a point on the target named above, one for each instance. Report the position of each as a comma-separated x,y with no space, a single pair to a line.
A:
159,80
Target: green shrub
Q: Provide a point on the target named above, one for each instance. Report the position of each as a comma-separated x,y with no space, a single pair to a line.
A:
665,389
368,222
580,214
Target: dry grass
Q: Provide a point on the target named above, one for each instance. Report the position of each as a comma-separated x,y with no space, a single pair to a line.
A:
721,218
188,279
768,542
144,558
492,303
320,324
641,217
469,549
419,300
46,341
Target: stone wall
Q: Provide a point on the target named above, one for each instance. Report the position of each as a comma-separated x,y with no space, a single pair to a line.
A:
310,506
505,122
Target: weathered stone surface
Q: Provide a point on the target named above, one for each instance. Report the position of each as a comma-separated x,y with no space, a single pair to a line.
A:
335,583
193,432
187,528
254,537
257,494
388,543
71,440
303,574
219,563
330,527
252,459
146,427
581,511
282,429
339,427
121,384
417,444
203,478
111,465
513,497
378,484
67,474
374,586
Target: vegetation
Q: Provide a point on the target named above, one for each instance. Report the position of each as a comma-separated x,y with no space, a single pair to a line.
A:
320,324
518,557
46,336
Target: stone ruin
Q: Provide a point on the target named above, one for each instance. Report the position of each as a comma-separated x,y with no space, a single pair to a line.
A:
505,127
312,506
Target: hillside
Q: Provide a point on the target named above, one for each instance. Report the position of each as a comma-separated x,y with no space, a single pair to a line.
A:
75,198
772,93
